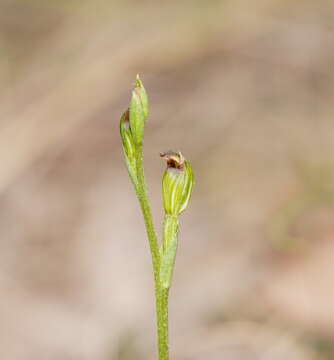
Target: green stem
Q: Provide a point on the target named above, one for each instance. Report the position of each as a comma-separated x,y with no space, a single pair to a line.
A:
161,294
162,318
142,194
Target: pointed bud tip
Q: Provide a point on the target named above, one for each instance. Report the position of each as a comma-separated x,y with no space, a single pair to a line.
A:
138,83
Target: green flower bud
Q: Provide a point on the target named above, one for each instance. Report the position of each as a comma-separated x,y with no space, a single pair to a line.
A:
129,146
126,134
138,111
177,183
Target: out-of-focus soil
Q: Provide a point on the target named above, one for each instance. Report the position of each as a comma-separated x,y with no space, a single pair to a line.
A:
245,91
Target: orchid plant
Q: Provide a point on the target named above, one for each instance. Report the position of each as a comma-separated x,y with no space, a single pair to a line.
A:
177,185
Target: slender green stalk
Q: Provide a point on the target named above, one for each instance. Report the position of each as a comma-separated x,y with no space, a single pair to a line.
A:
161,294
162,319
142,195
169,247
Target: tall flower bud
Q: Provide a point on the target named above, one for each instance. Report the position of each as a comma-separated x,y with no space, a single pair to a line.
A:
138,111
177,183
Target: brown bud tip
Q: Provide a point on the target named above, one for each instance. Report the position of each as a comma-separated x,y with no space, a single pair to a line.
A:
174,160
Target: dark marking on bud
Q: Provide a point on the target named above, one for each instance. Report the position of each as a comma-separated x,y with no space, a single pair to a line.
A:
175,160
127,119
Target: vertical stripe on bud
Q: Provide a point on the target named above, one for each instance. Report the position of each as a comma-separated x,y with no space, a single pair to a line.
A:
138,111
127,138
129,146
177,183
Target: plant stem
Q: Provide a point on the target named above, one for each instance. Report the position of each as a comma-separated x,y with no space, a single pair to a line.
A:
167,260
162,318
142,194
161,294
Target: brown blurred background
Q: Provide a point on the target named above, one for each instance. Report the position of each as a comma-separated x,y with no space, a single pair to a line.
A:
245,90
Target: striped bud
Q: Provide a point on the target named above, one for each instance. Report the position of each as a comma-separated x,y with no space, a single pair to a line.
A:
126,135
177,183
138,111
129,146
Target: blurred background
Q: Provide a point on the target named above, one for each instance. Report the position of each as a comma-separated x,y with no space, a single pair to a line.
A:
245,90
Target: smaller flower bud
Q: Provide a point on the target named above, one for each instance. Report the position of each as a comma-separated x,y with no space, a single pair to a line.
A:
177,183
127,138
138,111
129,145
